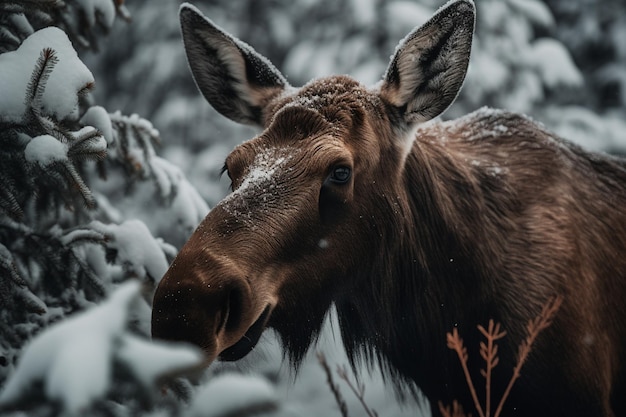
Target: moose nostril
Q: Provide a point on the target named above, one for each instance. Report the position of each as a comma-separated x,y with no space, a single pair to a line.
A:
231,311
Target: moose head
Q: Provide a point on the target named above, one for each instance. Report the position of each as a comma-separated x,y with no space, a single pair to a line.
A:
316,197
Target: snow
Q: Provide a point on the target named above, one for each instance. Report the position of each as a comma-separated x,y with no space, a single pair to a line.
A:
72,353
188,205
45,150
265,164
229,393
553,63
364,11
98,117
136,247
101,10
534,11
588,129
80,371
69,76
493,73
150,361
74,358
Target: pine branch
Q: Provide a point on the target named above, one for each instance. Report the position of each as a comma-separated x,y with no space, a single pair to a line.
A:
94,281
87,144
343,407
83,235
8,39
8,200
76,183
30,301
455,342
9,277
8,265
41,73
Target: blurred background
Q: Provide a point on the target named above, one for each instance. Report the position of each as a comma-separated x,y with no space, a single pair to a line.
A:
561,61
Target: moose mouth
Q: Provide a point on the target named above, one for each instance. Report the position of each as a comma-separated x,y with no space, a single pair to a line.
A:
248,341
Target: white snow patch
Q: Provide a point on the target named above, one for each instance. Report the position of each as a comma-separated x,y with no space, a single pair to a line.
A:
261,171
150,361
45,150
136,247
491,72
554,63
229,393
68,77
98,117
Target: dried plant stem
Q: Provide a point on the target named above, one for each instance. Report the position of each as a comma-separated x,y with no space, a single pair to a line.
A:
456,343
455,411
489,352
343,408
534,327
359,391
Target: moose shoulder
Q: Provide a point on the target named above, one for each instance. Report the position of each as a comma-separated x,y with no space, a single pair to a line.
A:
352,197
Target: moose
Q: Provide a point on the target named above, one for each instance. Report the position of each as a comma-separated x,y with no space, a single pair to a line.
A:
352,196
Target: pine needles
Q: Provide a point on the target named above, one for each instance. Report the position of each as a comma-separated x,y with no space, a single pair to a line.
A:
41,73
489,352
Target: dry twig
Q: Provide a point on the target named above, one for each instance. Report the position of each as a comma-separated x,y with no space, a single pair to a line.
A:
489,352
455,411
331,383
534,327
456,343
359,390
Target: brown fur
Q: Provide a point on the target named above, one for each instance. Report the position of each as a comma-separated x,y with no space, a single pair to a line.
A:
486,217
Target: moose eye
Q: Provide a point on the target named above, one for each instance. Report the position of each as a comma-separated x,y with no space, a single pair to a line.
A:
340,175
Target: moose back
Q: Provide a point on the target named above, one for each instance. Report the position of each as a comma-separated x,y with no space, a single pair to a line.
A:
350,196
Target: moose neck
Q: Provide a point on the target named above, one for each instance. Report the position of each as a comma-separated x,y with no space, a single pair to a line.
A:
428,263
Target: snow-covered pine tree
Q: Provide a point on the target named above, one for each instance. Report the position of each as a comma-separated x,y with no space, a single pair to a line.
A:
64,244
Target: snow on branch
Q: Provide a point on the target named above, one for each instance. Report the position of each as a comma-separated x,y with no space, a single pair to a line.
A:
62,248
38,116
56,73
71,363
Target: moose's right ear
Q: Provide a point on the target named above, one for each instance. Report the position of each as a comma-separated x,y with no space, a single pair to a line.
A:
235,79
429,66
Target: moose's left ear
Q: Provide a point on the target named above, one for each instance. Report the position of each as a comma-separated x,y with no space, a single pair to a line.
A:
429,66
232,76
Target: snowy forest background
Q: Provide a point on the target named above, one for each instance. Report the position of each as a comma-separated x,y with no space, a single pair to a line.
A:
109,158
